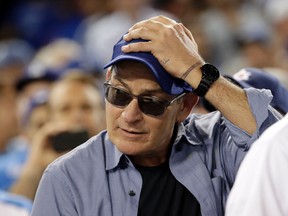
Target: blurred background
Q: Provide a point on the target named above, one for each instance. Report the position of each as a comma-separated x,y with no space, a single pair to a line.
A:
42,41
230,33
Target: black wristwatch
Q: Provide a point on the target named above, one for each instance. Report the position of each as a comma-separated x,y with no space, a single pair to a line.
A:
209,75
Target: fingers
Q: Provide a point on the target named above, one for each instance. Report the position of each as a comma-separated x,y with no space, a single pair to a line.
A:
188,33
153,22
170,42
42,137
149,28
138,47
144,32
155,28
156,31
42,151
164,20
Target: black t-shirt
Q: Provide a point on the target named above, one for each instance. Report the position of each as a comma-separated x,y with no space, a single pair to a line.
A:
163,195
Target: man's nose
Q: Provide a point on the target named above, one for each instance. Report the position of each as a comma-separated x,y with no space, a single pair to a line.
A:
132,112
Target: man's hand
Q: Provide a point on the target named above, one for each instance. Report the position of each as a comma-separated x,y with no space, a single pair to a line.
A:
175,48
170,42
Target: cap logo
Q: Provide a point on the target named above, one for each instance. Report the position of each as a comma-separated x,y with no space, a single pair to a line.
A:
242,75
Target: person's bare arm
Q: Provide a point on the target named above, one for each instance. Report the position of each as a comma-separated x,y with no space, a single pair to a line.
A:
28,181
40,156
175,48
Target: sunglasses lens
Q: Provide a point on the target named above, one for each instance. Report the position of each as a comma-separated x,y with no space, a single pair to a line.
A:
151,106
117,96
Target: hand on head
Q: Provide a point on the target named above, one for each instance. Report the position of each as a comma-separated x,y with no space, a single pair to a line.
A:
170,42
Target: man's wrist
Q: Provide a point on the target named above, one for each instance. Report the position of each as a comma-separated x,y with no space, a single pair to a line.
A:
209,75
190,69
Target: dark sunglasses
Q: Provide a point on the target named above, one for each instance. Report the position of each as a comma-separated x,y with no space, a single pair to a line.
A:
149,105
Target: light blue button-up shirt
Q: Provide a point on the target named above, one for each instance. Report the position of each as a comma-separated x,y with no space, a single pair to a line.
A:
97,179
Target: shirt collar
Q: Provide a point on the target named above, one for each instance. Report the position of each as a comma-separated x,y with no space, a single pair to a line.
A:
113,155
116,158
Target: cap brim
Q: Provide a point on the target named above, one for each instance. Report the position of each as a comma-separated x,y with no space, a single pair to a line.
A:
165,80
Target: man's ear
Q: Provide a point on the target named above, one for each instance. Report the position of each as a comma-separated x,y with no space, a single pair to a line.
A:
109,73
188,102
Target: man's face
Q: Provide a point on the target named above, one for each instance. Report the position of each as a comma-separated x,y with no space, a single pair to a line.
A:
133,132
77,103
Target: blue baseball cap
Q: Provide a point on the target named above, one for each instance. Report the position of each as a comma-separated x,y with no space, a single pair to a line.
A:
168,83
260,79
38,71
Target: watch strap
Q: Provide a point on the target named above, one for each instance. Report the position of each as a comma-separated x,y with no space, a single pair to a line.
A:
209,75
202,88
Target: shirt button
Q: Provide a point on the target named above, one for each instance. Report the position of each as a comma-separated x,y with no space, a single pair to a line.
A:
131,193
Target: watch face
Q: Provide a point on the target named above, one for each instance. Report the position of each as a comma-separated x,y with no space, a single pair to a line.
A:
209,75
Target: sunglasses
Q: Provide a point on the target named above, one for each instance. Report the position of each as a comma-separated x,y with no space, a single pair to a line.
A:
149,105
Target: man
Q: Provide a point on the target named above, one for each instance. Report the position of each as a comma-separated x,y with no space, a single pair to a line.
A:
154,159
75,109
261,184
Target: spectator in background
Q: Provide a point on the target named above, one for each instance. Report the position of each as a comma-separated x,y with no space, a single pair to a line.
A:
14,141
14,56
74,105
280,73
76,99
12,154
104,33
260,188
14,205
260,79
255,49
277,13
35,116
204,45
93,10
223,23
49,64
41,22
186,10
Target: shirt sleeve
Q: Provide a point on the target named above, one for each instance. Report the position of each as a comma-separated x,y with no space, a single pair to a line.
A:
53,197
235,143
259,102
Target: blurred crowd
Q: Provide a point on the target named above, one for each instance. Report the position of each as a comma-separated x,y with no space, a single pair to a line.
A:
51,66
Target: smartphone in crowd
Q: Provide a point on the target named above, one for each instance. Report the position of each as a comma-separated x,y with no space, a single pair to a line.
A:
68,140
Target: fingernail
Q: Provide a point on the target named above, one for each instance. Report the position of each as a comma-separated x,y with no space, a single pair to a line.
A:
123,48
